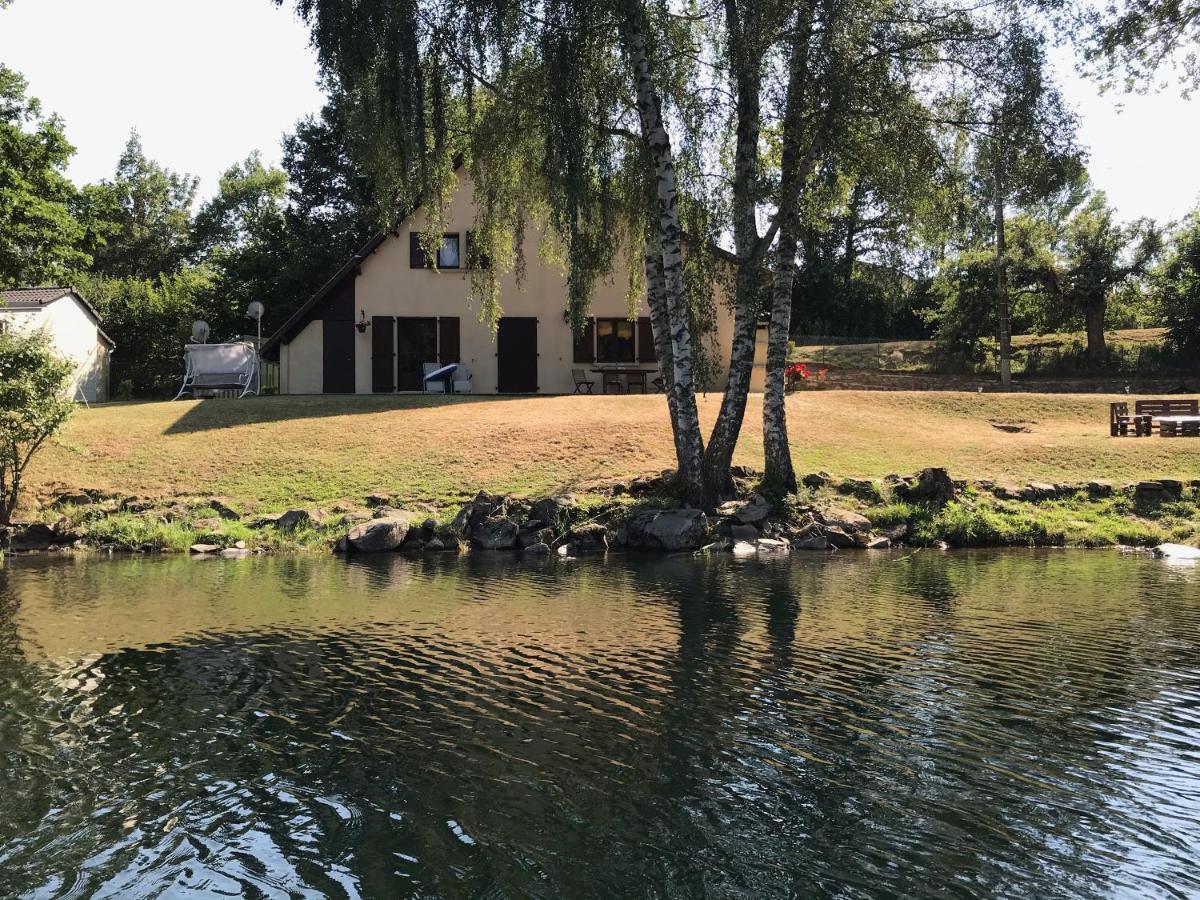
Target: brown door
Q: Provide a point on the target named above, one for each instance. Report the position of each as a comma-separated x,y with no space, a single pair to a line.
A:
383,354
416,344
338,341
516,355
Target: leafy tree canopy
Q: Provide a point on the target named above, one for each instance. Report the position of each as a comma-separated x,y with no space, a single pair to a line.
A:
40,236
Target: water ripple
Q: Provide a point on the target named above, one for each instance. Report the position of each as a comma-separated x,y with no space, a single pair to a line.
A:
1015,724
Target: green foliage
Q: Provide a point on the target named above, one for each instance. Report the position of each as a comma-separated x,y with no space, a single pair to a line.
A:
1129,42
140,220
33,381
40,235
1177,285
150,319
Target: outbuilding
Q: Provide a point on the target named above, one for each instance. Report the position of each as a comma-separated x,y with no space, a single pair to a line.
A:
75,331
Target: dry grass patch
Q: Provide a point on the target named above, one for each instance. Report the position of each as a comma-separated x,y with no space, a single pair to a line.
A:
273,452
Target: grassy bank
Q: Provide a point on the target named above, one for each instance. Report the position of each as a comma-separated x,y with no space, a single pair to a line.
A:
268,454
1051,354
432,454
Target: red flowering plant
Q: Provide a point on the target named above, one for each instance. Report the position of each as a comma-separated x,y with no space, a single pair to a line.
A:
797,374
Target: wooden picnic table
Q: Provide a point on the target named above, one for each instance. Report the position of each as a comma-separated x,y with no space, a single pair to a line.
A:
1176,426
628,371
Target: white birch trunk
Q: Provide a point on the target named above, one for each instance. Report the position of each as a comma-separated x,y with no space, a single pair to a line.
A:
685,415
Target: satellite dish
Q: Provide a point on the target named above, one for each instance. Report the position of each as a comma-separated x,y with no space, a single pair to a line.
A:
255,311
200,331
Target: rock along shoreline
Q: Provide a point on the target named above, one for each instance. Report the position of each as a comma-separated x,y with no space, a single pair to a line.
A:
929,508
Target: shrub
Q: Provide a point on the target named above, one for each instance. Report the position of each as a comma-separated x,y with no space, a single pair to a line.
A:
33,381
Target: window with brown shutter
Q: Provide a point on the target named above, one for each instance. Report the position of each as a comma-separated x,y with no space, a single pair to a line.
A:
585,343
645,337
416,256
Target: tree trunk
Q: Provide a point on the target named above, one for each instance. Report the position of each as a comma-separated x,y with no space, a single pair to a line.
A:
747,73
1094,315
685,418
777,452
1002,305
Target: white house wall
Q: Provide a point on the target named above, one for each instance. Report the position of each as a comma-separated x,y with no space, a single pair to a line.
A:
301,362
74,335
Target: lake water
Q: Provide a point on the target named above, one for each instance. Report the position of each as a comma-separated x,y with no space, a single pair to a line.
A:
985,724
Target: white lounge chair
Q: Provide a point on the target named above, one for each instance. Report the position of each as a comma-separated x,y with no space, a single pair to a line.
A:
231,366
434,377
462,380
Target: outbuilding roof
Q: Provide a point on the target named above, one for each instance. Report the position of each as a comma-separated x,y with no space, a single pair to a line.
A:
38,297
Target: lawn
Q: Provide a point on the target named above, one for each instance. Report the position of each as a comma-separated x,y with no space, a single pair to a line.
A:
274,452
919,356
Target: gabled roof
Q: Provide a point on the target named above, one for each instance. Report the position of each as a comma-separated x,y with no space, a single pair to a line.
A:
39,297
297,318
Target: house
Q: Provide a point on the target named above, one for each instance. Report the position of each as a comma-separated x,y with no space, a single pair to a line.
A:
387,313
74,328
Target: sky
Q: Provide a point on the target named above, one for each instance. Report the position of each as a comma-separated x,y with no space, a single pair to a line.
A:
207,81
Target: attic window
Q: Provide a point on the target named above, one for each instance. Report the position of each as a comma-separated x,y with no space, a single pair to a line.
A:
448,255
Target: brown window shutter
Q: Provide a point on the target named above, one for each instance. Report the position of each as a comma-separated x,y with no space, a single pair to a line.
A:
448,349
645,338
416,256
472,258
585,343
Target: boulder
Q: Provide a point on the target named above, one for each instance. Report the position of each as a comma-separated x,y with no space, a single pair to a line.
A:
205,549
138,504
879,543
236,553
931,486
813,540
897,534
772,545
815,479
1149,492
35,536
377,536
840,538
1172,486
293,519
451,544
1100,488
434,545
744,548
743,533
745,512
587,539
846,519
221,507
1043,491
1015,492
496,533
484,506
72,498
668,529
539,549
551,510
379,499
859,487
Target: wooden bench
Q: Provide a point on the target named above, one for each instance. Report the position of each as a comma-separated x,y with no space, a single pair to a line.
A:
1150,411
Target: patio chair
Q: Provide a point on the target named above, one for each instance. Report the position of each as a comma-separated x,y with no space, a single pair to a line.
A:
611,380
638,381
432,385
1121,423
581,381
462,380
